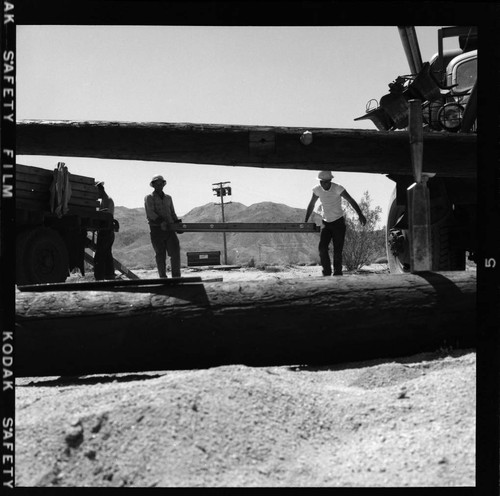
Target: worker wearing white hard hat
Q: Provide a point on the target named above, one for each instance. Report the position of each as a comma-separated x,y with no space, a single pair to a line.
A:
333,227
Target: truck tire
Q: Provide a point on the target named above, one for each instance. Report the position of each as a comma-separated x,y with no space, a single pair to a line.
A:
396,239
444,255
41,257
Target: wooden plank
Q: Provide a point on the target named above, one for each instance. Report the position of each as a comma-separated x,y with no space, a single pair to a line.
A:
44,206
117,264
77,190
107,285
28,182
34,171
32,204
304,227
124,270
75,178
44,198
42,180
343,150
83,202
24,190
88,189
214,267
45,173
315,320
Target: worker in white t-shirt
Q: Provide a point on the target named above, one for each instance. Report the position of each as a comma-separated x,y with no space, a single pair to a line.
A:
334,227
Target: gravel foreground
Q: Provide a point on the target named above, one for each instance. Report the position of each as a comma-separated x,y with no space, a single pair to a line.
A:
394,422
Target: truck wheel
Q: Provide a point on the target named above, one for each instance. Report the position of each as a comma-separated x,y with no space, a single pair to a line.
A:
41,257
444,255
396,239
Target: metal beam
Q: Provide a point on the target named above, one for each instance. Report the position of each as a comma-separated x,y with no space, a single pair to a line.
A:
303,227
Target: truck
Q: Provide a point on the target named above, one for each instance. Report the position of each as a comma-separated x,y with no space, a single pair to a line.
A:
447,87
55,211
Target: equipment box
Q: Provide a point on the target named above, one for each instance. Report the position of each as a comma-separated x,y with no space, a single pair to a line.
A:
197,258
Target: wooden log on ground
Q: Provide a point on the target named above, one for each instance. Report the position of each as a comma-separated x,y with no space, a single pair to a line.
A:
347,150
319,320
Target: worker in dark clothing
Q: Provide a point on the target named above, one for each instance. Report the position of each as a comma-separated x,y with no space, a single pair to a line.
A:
103,258
161,214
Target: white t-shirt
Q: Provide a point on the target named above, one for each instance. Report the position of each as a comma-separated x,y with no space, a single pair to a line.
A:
331,201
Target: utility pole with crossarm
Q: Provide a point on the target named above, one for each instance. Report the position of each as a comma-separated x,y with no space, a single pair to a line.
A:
221,190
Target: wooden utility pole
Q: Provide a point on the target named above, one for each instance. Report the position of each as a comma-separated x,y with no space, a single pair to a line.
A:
353,150
418,196
257,323
222,191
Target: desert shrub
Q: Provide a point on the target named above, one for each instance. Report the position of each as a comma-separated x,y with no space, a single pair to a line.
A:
362,244
251,263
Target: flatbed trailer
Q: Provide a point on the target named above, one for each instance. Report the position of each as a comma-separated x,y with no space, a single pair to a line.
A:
50,237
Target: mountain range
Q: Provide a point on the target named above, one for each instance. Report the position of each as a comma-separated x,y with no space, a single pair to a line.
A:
133,247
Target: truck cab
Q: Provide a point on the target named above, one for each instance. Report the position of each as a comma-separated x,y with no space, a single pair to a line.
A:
459,77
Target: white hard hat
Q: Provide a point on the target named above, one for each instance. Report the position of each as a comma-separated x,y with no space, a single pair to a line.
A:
325,176
157,178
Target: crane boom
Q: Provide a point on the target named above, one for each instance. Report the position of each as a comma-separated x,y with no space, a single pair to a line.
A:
412,50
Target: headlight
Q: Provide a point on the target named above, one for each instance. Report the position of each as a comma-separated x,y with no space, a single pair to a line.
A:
450,116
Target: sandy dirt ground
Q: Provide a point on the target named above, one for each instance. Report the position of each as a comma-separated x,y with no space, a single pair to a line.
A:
231,273
395,423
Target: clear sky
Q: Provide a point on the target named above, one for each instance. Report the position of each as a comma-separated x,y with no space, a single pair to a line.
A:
271,76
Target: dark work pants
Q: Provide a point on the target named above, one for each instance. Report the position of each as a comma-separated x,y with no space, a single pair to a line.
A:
166,242
332,231
103,259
